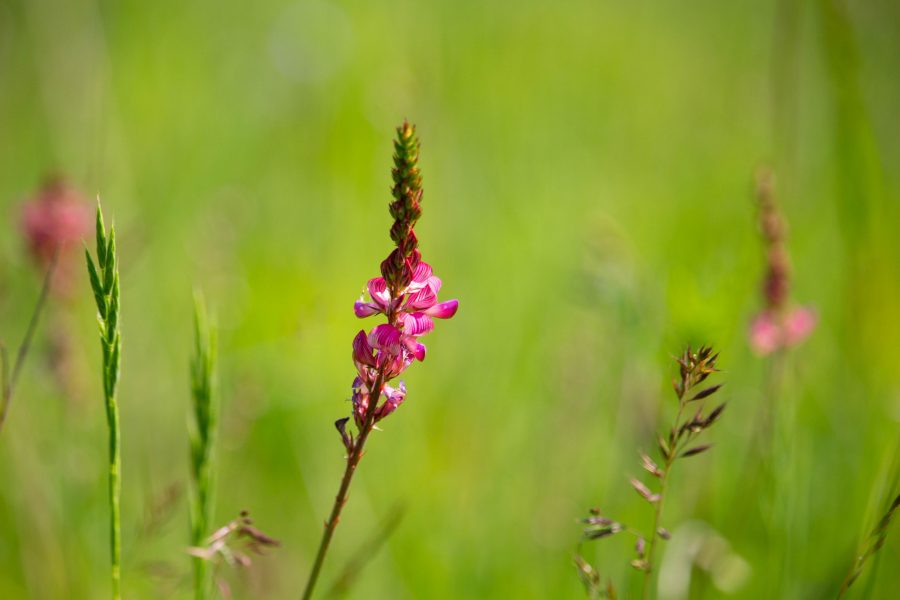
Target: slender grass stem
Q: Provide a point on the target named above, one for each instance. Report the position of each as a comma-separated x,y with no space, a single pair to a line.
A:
341,498
11,377
654,533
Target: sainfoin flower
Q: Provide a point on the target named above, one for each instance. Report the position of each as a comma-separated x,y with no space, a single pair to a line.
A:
406,294
779,325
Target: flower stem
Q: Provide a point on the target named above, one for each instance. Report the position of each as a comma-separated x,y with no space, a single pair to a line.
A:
341,497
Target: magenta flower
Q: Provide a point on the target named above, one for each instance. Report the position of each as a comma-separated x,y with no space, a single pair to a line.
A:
406,294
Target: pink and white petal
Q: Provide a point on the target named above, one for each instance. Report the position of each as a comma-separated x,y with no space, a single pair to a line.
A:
365,309
362,350
415,348
799,324
443,310
422,272
379,292
434,282
385,337
420,277
416,324
765,334
420,300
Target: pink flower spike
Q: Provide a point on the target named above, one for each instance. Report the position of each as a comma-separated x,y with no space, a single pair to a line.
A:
799,323
765,335
443,310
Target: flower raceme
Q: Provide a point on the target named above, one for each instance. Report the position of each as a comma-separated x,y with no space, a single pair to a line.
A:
407,295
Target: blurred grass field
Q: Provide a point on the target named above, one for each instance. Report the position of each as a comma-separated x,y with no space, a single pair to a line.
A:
588,198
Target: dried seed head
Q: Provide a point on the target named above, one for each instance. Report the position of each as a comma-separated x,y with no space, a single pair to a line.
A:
644,491
650,466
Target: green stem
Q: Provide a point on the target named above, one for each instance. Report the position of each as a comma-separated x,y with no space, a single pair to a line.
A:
341,498
115,493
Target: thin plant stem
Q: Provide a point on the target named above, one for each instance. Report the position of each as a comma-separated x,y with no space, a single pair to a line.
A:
10,378
654,533
341,497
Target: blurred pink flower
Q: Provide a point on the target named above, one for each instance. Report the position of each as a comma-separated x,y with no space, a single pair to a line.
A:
770,332
53,223
57,217
777,325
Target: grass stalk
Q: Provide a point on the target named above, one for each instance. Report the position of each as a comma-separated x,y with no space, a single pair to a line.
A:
202,437
104,278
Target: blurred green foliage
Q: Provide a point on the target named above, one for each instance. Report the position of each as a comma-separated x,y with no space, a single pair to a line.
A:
587,169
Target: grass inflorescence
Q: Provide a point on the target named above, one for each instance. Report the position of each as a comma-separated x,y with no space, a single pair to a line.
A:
678,443
204,417
104,278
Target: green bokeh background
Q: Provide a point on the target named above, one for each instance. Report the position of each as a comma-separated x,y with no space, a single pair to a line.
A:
588,173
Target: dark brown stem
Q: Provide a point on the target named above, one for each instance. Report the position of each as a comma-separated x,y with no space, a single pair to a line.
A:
341,498
10,378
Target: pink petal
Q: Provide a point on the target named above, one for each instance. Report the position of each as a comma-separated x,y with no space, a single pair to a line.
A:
394,398
365,309
379,292
362,351
417,324
799,324
444,310
417,301
422,272
765,335
415,348
434,282
421,275
385,337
